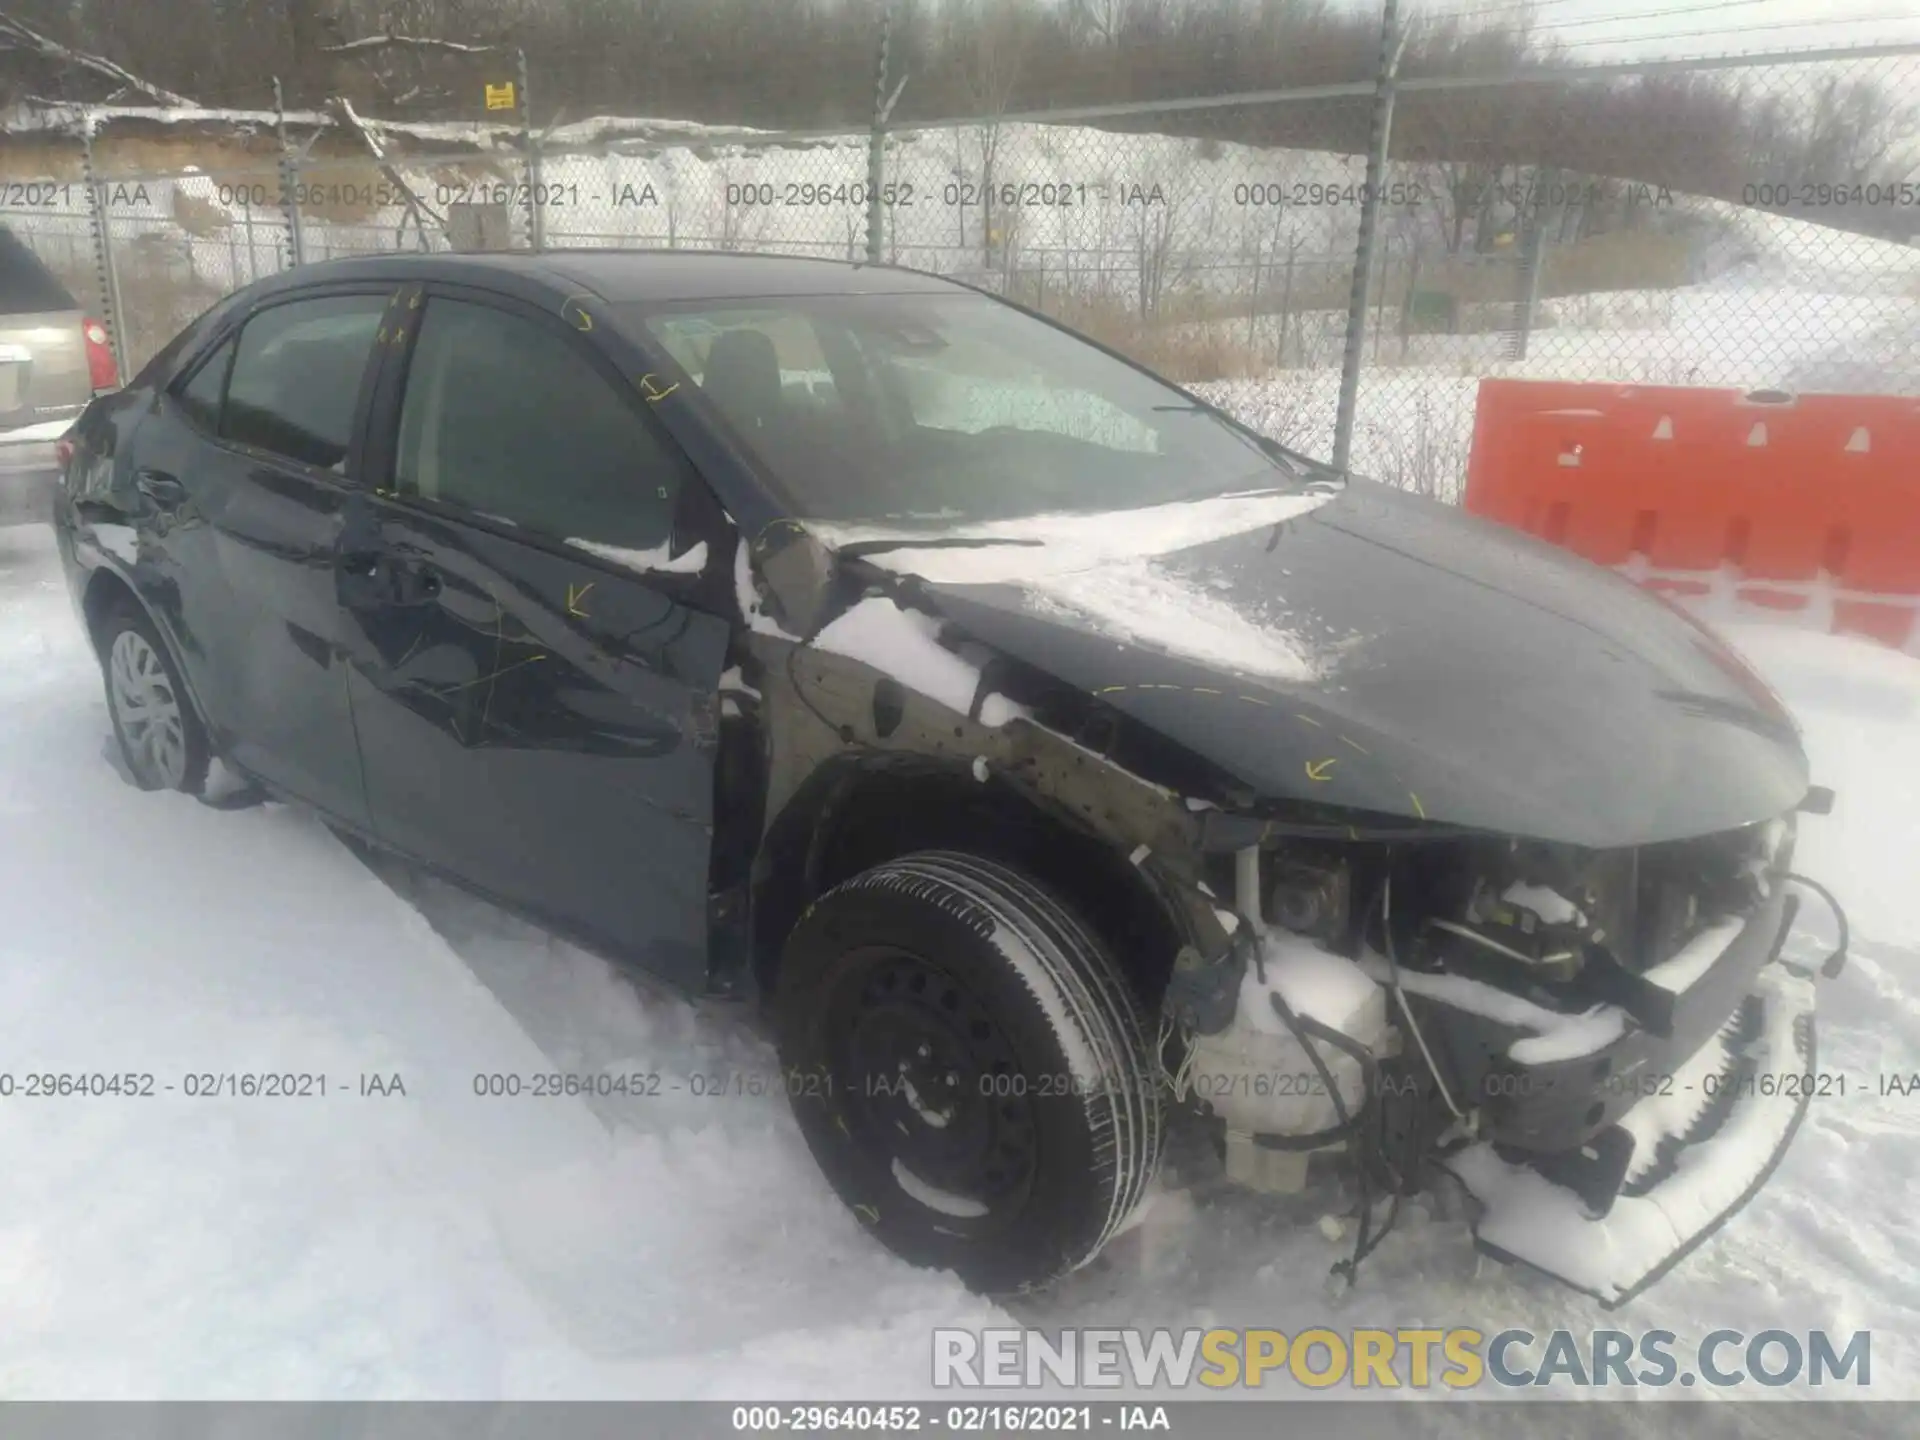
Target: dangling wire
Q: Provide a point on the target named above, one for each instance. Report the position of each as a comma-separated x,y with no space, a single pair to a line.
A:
1400,995
1836,961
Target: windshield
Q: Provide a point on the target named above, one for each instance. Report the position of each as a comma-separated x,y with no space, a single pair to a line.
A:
947,410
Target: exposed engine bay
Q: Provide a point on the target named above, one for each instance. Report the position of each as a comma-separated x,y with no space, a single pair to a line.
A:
1397,1006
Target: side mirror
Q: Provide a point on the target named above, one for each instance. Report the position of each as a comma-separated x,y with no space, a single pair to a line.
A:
800,573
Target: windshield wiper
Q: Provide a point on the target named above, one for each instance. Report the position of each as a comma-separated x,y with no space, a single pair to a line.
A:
1300,465
860,549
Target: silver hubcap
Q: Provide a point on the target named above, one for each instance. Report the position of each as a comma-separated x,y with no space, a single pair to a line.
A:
148,711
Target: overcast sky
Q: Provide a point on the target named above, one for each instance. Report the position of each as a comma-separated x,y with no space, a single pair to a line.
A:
1596,30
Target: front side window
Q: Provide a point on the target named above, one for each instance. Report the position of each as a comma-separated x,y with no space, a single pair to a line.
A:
295,386
951,408
504,416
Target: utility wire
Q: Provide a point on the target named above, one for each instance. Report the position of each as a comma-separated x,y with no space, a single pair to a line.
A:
1820,24
1498,9
1676,12
1669,14
1744,29
1535,6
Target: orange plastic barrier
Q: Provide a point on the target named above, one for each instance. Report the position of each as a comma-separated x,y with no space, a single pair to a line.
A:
1804,503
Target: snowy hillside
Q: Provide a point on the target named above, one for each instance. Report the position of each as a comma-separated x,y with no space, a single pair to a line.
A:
1061,205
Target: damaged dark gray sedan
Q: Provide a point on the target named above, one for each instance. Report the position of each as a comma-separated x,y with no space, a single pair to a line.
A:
1054,755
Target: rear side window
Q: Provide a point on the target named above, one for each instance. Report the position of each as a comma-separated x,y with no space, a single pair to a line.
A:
506,417
200,396
27,286
296,377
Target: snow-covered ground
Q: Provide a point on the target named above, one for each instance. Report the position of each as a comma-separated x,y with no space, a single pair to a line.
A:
436,1244
1766,327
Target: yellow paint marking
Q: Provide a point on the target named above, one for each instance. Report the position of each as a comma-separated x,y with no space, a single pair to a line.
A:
1203,690
1418,808
1109,689
1254,700
469,684
582,321
1321,769
867,1213
577,593
1355,744
652,391
1308,720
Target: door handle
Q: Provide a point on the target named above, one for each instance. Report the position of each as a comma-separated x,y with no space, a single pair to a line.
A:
164,490
415,585
357,580
376,580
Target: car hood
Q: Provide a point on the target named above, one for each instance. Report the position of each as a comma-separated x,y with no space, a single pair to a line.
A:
1369,649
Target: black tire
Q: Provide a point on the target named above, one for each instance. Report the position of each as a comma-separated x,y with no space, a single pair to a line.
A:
177,763
945,1018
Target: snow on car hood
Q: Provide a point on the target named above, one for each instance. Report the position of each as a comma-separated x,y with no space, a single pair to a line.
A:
1377,652
1104,571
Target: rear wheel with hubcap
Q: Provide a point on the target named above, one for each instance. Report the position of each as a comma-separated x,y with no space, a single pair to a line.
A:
969,1068
161,739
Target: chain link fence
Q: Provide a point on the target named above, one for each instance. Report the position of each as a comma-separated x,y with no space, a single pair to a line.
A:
1748,225
1752,223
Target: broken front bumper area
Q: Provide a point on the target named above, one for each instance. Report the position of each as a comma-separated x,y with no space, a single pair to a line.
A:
1700,1149
1672,1133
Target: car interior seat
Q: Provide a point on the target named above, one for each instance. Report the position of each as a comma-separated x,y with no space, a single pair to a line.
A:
742,379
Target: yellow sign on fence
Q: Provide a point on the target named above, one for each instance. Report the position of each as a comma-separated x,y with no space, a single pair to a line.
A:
500,97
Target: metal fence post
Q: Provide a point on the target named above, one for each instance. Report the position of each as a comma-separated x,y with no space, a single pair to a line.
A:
1390,46
289,186
106,275
536,224
877,138
1527,308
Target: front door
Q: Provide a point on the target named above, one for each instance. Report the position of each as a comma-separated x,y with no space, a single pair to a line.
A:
536,698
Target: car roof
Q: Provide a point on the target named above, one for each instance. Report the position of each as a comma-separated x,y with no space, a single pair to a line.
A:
622,276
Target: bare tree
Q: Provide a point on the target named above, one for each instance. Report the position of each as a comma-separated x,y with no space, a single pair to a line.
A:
19,38
313,27
993,60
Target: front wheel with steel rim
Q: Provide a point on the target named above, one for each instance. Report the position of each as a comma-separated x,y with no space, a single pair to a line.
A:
969,1068
161,739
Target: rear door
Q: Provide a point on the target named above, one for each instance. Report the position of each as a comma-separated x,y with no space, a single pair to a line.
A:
242,475
535,688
